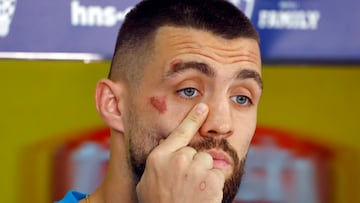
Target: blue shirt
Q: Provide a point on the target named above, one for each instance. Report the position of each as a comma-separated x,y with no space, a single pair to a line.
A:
72,197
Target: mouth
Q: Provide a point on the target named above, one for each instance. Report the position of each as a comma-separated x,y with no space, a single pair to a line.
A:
221,160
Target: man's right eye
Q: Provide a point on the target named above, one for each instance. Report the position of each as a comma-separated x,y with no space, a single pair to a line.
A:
188,93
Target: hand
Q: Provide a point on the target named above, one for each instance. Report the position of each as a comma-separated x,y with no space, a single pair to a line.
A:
175,172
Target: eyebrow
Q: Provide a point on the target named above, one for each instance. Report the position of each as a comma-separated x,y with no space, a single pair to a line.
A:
250,74
181,67
209,71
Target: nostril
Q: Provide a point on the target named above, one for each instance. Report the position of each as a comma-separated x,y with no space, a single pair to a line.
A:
212,132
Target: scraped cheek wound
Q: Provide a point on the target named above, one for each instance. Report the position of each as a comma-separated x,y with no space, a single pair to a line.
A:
159,103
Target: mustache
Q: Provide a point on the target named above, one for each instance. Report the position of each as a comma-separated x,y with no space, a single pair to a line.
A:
232,184
208,143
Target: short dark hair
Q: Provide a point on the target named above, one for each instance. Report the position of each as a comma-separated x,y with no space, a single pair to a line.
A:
137,34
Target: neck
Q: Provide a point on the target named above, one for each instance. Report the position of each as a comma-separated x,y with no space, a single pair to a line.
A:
119,184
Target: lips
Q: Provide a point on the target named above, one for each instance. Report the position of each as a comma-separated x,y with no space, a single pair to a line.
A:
221,160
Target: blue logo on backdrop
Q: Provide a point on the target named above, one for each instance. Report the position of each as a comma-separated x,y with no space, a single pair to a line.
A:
96,15
7,10
290,30
247,6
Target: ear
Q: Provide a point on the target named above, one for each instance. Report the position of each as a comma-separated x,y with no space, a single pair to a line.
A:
110,98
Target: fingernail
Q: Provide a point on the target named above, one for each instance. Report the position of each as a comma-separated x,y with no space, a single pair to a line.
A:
200,108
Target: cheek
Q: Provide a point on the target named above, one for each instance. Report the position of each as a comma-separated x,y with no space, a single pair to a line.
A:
159,103
242,138
241,145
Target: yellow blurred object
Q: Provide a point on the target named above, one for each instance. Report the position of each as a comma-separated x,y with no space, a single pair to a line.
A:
43,101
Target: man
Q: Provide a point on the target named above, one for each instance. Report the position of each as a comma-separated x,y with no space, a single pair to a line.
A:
181,101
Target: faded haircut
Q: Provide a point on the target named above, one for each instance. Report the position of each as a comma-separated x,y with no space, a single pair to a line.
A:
136,37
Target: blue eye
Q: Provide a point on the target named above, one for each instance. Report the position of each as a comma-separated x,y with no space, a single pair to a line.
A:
242,100
188,92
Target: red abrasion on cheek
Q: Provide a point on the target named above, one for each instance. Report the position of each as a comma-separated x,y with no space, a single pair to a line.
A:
159,103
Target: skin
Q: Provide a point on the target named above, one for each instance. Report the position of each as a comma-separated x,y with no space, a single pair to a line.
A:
174,171
227,57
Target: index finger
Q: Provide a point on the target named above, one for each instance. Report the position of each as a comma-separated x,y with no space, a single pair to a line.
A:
183,134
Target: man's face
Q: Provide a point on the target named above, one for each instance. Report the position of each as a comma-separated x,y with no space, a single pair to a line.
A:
187,67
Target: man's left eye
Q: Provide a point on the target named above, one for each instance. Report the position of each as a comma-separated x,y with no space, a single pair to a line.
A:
242,100
188,93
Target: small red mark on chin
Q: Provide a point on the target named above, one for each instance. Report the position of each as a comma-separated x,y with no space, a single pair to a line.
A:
159,103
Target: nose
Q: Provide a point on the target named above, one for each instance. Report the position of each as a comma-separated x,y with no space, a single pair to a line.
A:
219,121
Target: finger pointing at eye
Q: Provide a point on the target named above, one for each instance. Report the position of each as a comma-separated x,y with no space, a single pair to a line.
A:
183,134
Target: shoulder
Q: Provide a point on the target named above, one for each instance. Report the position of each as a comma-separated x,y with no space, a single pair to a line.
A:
72,197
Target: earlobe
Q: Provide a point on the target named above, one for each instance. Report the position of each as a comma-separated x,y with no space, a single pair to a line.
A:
107,97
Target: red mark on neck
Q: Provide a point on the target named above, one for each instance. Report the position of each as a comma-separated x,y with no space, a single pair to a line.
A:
159,103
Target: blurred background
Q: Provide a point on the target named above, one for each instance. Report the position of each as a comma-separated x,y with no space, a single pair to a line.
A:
307,144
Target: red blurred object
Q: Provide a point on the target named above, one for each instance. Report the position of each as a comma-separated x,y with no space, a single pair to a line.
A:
80,163
280,167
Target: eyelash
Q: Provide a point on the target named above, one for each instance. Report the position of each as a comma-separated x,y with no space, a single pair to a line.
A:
248,101
182,94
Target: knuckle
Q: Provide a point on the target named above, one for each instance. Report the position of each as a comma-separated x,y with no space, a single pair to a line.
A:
180,160
184,156
193,118
206,156
154,157
182,135
180,132
203,159
196,166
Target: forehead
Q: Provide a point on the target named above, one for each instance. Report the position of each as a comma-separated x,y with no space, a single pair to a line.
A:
171,42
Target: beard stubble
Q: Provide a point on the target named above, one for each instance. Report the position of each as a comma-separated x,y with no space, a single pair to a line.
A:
141,140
